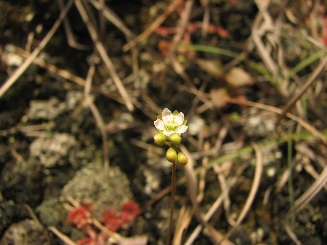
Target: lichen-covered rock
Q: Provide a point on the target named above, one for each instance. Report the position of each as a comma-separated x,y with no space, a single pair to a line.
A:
45,109
22,182
50,212
52,149
102,188
9,212
26,232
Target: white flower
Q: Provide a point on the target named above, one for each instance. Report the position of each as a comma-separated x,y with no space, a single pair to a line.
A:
171,123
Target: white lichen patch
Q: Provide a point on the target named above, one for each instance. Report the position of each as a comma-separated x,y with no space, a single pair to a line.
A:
51,150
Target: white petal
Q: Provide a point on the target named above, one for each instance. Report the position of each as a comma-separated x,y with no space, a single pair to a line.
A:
159,124
179,119
181,129
168,132
167,116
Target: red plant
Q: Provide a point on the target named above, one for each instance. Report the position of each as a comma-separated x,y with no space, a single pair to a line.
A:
81,217
86,240
112,220
129,211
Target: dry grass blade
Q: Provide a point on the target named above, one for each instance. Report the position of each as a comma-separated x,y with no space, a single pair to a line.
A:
208,215
253,191
292,234
202,174
102,52
206,17
184,21
219,170
302,90
69,33
113,18
215,236
304,200
36,51
306,154
262,24
62,237
52,68
303,123
309,194
65,74
97,116
192,184
184,219
214,207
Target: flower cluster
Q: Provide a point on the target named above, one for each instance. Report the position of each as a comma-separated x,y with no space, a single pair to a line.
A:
170,127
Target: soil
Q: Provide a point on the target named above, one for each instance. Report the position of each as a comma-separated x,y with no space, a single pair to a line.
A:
66,142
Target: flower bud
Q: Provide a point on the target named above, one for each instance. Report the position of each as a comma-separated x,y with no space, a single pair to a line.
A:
182,158
175,139
171,154
160,139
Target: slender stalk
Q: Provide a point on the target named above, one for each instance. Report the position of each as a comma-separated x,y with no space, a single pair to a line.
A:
290,178
172,199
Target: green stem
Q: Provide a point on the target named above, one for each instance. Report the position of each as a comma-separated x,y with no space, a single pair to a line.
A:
172,201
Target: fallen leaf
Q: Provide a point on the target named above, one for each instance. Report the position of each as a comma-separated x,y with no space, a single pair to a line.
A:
213,67
237,77
219,97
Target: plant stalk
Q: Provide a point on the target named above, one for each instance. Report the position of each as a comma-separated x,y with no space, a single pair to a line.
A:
172,202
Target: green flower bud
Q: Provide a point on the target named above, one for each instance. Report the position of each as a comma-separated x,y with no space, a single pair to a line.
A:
175,139
182,158
171,155
160,139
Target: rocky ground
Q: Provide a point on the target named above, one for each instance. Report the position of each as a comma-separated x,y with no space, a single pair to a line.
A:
77,107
